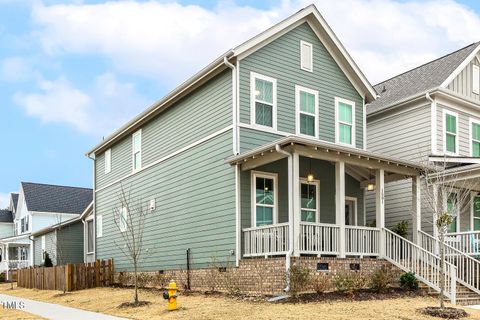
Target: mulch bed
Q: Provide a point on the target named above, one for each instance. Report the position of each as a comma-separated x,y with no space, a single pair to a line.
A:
133,304
361,295
445,313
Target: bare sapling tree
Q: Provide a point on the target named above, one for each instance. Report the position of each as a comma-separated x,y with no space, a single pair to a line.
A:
446,195
130,219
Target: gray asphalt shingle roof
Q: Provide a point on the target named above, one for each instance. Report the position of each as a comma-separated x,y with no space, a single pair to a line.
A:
53,198
6,215
421,79
15,200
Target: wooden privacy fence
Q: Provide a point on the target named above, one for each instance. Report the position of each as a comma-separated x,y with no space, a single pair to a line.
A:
69,277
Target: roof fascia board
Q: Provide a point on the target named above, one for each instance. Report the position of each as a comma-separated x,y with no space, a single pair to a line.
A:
395,105
459,160
172,96
52,213
460,67
87,210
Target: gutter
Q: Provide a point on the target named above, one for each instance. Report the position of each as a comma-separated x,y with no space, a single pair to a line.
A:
290,213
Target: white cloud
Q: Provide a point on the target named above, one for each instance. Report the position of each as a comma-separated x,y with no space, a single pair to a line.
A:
4,200
16,69
169,41
108,104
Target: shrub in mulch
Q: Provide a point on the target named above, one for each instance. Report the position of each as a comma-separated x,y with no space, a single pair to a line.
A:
445,313
133,304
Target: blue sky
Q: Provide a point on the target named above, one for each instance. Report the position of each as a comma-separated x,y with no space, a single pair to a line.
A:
71,72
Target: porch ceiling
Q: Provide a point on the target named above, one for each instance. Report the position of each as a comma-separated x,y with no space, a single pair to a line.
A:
360,162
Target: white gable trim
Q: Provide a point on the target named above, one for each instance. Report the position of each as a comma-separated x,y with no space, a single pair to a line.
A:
311,15
462,66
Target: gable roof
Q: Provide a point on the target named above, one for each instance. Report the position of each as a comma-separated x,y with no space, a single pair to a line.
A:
59,199
6,215
309,14
14,200
422,79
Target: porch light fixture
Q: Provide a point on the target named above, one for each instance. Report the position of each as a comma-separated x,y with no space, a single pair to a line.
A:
310,175
370,186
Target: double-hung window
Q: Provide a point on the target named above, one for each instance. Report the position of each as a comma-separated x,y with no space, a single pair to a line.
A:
263,100
345,121
475,136
22,224
264,198
452,209
137,150
108,160
309,193
476,213
450,132
306,101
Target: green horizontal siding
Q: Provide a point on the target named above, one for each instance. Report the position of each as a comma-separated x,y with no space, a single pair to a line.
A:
205,111
280,59
70,239
251,138
195,208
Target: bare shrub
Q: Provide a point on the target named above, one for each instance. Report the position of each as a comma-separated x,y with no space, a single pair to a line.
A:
322,284
298,277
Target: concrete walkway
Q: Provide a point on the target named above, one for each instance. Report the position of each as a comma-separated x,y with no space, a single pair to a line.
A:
50,310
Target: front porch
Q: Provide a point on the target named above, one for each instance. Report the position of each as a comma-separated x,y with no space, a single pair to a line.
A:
303,197
14,254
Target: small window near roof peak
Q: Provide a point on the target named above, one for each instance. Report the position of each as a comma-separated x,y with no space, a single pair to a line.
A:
306,56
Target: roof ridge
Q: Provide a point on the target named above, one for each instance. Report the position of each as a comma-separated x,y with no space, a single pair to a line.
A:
54,185
427,63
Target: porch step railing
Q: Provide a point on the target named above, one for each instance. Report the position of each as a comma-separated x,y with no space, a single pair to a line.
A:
467,242
468,268
362,241
319,238
425,265
266,240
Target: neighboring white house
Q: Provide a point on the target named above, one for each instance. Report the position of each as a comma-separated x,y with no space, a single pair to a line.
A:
38,206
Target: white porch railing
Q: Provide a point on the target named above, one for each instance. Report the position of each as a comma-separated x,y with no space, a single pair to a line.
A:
467,242
6,265
319,238
362,241
468,268
412,258
266,240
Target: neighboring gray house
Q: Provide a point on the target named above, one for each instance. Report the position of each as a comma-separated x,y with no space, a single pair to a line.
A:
262,153
39,206
63,242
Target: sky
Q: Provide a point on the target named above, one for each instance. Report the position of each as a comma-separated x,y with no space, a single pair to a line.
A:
71,72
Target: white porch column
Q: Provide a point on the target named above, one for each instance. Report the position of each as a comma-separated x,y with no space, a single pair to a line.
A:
296,204
380,206
416,208
340,204
434,217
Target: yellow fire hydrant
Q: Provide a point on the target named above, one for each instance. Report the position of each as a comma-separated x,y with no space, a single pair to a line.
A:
171,295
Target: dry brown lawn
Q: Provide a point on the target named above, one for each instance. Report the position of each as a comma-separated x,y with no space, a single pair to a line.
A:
198,306
12,314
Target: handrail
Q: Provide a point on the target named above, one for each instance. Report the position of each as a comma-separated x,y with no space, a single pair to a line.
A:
425,265
268,226
468,268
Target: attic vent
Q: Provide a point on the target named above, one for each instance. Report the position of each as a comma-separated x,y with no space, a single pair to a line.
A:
384,89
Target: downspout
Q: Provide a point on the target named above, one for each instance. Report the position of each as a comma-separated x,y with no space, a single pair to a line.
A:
234,104
290,212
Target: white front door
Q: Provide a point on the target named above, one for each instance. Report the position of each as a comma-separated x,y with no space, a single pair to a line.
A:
350,211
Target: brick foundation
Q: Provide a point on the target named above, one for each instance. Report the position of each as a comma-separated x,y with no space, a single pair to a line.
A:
261,276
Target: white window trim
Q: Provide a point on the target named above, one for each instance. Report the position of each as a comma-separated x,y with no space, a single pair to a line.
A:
108,161
337,122
473,195
253,76
43,247
268,175
471,122
298,111
88,236
123,218
445,112
317,184
476,89
99,226
138,132
355,204
307,44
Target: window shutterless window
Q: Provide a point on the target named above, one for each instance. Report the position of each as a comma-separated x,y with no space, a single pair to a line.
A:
90,236
99,226
476,213
306,56
306,102
475,136
108,160
264,198
345,121
450,132
476,79
309,200
137,150
263,99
